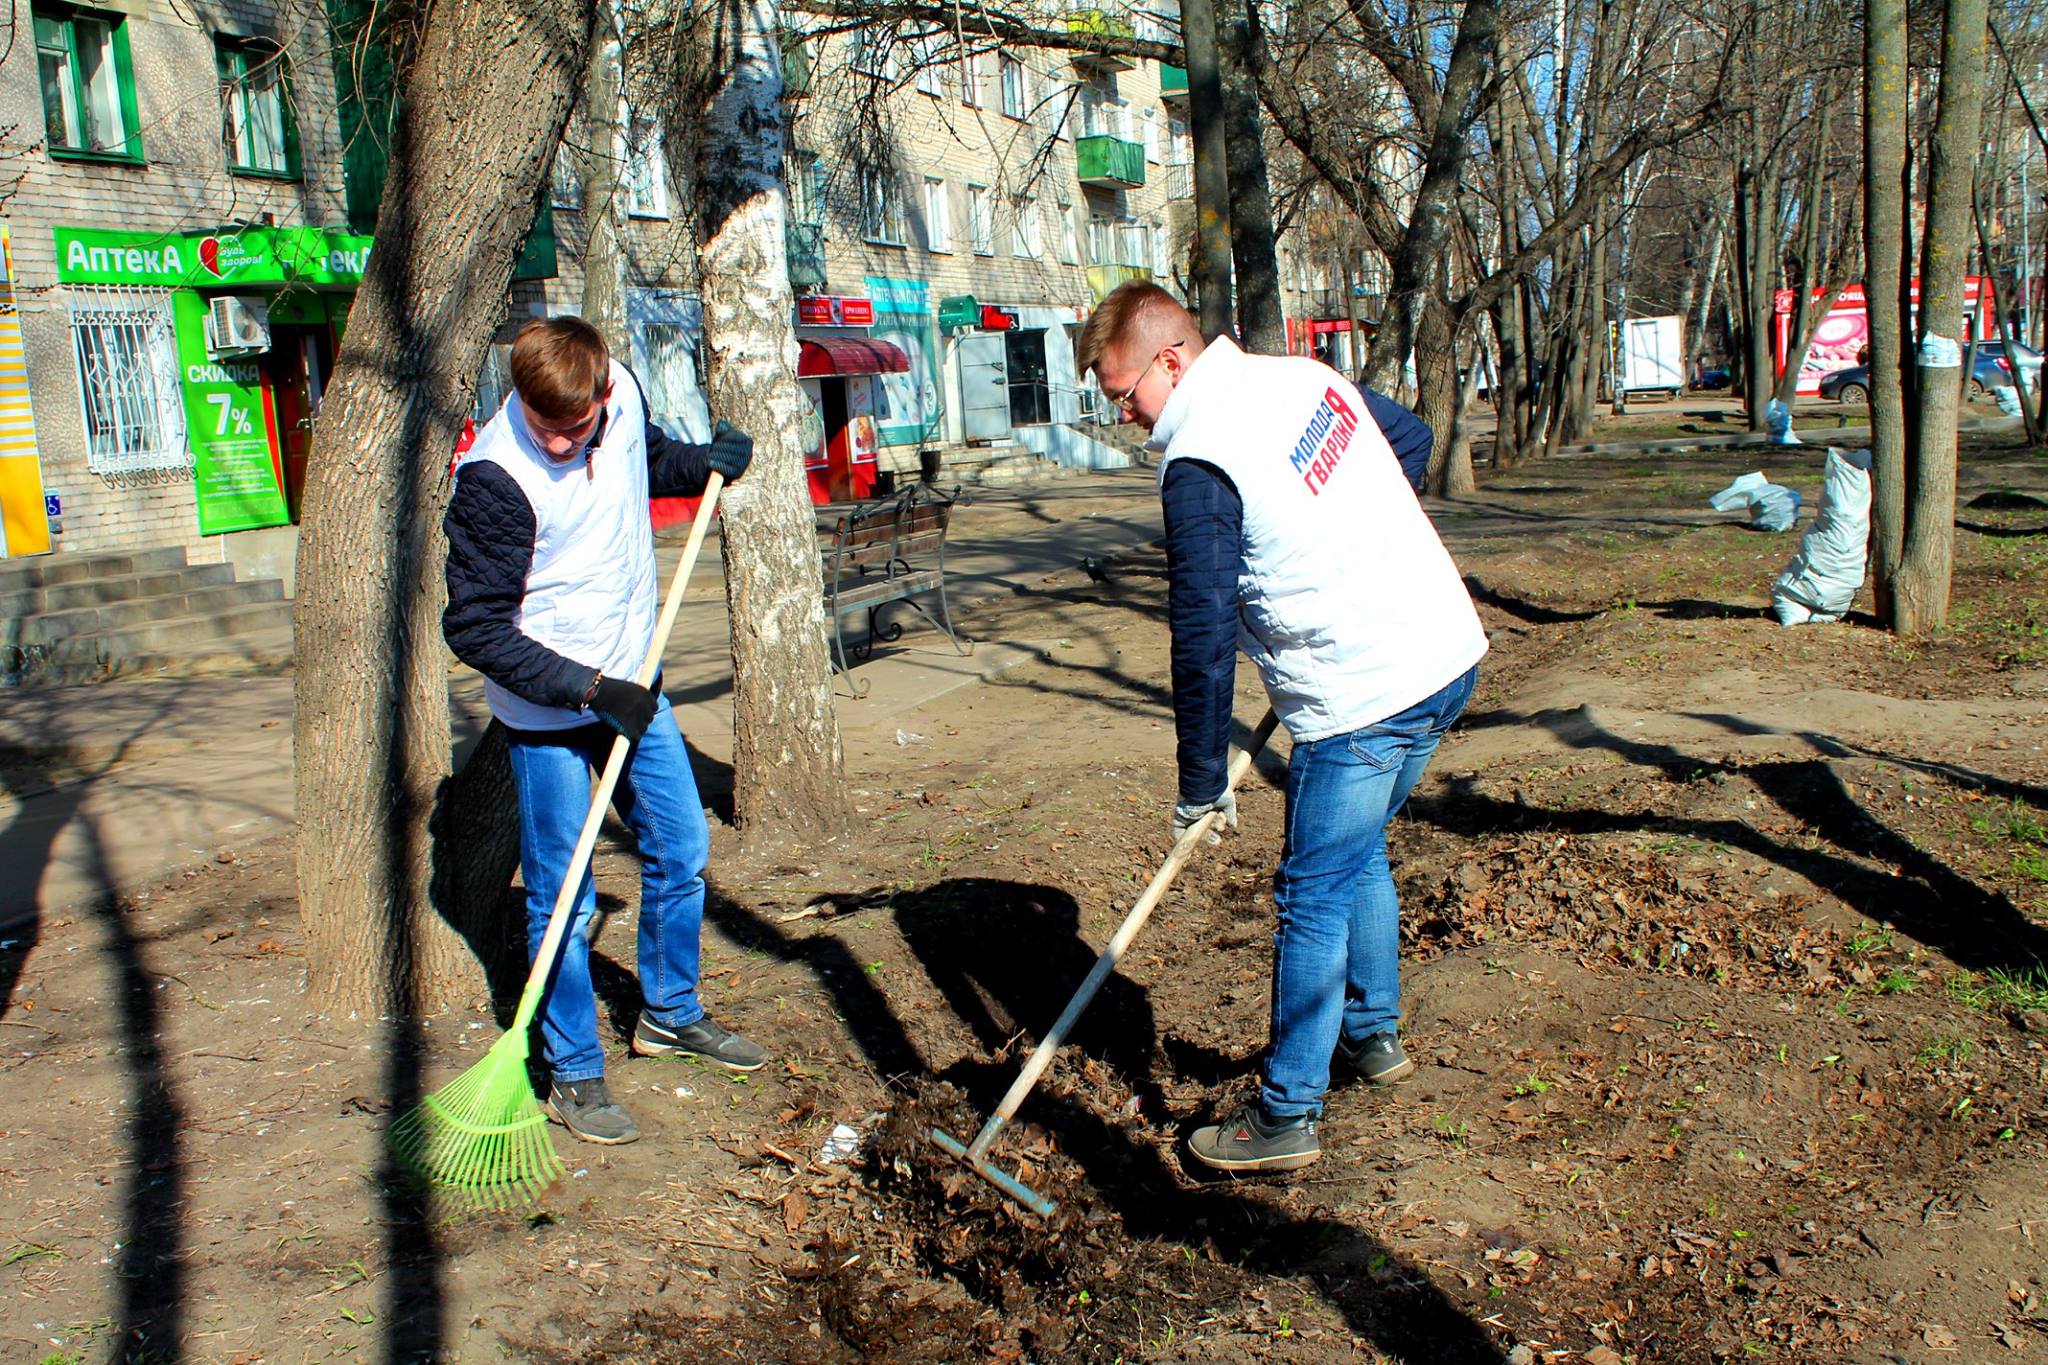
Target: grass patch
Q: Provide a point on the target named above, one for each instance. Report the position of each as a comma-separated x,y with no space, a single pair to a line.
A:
1995,989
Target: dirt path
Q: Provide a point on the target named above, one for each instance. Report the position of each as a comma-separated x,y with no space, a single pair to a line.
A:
1724,970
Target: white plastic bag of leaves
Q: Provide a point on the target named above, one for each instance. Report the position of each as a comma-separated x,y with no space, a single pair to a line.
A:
1772,507
1822,579
1778,420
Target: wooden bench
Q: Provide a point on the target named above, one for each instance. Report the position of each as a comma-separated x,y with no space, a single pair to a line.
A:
880,553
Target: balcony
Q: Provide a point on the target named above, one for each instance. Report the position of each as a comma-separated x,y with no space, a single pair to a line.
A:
1096,23
805,243
1173,82
1103,278
1109,163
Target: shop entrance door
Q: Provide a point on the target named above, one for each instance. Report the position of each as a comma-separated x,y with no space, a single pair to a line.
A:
984,386
1030,387
297,367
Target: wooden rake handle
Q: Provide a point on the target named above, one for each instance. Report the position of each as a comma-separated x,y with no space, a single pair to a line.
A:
1183,849
615,765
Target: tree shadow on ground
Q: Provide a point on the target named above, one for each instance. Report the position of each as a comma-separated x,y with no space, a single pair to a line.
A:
1924,898
1396,1307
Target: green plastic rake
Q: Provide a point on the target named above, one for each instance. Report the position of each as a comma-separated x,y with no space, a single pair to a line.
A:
482,1139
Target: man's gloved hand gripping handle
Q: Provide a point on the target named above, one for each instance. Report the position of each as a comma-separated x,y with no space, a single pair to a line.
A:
625,706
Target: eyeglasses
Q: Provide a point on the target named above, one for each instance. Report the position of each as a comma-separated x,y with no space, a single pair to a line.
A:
1123,400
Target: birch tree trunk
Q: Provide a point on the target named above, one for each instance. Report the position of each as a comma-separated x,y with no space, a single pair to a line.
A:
488,84
599,183
1921,588
788,773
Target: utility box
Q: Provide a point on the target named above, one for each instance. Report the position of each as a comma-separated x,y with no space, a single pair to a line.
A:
1649,356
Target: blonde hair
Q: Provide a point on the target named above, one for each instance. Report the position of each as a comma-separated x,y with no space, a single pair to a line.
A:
560,367
1133,309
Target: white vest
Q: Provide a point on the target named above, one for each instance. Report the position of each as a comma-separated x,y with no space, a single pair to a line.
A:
1347,601
590,593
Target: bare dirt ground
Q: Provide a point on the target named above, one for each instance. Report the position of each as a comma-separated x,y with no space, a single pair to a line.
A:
1726,975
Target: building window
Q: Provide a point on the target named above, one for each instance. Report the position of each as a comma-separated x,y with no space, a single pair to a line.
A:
1058,103
930,68
1162,268
88,84
127,354
1070,243
981,219
1030,234
874,53
565,185
1148,124
881,209
1013,86
257,126
646,167
806,177
970,80
938,216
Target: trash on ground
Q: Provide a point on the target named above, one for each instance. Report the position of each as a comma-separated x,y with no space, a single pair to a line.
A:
1778,420
1772,507
842,1144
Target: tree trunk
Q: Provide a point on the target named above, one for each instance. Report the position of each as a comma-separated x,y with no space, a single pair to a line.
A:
788,773
489,84
2005,338
1428,238
1436,375
1450,470
1806,314
1261,324
599,182
1696,348
1212,169
1884,232
1921,588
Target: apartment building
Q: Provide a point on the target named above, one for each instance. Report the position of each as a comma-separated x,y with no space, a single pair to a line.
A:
958,206
193,196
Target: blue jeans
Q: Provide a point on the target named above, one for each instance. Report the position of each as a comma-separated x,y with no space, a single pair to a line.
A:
657,798
1336,953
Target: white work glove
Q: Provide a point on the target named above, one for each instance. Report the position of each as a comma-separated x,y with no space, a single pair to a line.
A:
1187,814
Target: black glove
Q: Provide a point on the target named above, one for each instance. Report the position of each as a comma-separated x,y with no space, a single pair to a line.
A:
732,450
625,706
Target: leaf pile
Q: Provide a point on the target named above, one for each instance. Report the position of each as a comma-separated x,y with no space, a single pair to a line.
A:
1619,907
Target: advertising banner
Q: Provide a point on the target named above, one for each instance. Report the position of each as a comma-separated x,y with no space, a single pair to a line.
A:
907,406
235,471
24,513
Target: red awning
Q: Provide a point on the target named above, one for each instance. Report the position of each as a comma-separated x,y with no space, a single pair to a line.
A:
849,355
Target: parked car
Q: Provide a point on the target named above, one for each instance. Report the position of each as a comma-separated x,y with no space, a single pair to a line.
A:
1715,378
1992,371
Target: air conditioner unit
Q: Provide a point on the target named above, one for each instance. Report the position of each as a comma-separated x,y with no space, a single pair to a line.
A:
236,326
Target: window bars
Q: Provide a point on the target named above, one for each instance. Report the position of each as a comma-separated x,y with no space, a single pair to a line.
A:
127,356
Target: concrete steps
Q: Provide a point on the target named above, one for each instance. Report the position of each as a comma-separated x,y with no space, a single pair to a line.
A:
68,619
995,466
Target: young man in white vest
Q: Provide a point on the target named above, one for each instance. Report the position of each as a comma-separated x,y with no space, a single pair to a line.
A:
1291,531
552,597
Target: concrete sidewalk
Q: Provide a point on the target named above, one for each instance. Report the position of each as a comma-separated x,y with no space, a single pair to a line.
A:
119,784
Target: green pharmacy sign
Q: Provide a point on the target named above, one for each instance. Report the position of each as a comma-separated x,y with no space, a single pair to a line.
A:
273,256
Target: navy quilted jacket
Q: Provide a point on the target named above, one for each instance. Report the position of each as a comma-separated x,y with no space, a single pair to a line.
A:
490,527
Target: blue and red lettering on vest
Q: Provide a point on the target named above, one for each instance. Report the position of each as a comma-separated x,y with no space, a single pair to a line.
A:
1323,444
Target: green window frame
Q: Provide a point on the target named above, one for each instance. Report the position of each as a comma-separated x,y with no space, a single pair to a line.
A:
88,85
258,129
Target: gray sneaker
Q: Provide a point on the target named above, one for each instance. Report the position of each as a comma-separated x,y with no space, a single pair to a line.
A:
1252,1142
587,1109
1379,1059
703,1040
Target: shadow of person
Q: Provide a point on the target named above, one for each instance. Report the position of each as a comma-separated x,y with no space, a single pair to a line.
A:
1008,956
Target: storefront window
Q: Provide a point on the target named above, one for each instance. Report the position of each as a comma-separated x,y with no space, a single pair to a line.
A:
127,356
256,109
88,84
